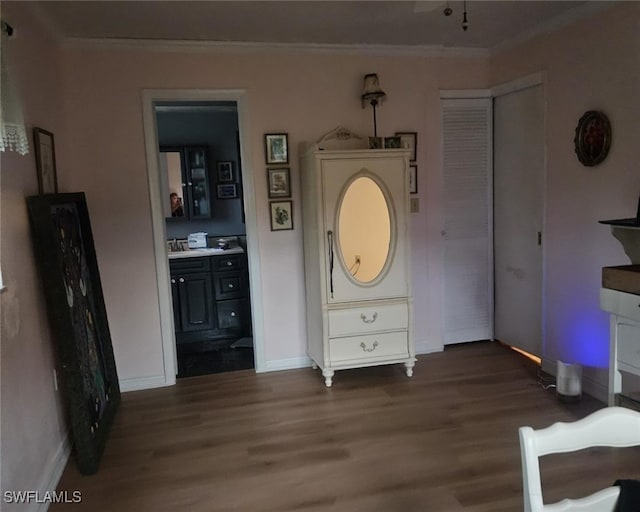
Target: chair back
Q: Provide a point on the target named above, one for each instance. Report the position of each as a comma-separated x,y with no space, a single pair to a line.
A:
611,426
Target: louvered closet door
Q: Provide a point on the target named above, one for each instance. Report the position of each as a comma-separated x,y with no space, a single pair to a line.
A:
468,276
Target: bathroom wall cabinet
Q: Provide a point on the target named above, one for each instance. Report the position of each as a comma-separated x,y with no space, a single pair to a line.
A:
186,173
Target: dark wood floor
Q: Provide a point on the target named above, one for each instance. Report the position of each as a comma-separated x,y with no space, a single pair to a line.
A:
443,441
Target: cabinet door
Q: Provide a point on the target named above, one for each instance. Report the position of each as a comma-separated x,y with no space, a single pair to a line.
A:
365,227
228,285
196,301
198,183
232,315
175,298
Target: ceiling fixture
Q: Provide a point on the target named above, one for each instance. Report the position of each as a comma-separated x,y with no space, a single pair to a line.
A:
448,11
465,23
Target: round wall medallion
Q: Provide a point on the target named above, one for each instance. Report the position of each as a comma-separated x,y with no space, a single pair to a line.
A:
593,138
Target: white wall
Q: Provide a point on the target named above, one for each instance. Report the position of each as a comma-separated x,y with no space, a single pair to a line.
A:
33,449
591,65
303,95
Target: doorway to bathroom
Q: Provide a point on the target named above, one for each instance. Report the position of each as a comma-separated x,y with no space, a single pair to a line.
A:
204,231
201,175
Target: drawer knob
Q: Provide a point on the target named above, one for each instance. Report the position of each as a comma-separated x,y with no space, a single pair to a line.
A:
173,281
233,313
373,347
181,279
369,320
229,264
230,285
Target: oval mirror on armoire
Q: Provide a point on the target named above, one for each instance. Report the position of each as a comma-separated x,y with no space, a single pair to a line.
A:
364,229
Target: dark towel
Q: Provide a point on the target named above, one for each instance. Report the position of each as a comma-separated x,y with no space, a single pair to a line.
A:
629,500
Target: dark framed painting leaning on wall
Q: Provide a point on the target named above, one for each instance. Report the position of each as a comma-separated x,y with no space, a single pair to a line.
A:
66,260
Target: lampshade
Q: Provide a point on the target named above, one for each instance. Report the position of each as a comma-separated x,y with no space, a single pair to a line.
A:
372,93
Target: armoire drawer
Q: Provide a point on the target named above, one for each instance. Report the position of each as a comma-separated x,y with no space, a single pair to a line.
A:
369,347
368,319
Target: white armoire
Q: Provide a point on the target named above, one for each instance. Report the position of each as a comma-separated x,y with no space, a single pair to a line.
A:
356,248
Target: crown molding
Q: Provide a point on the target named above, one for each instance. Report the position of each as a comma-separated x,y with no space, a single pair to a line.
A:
162,45
578,13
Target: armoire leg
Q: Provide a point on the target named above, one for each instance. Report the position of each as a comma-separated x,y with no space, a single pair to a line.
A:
328,377
409,367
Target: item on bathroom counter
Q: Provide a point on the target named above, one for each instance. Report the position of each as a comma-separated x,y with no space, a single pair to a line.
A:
197,240
225,242
177,245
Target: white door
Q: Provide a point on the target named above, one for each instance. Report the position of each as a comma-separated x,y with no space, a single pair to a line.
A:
467,297
381,216
518,217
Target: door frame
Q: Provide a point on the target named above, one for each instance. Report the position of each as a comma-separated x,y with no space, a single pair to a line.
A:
519,84
167,332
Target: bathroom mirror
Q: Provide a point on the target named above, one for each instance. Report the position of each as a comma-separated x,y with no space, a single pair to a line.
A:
364,229
171,166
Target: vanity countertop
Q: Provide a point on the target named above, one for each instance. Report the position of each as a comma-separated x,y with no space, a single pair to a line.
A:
209,251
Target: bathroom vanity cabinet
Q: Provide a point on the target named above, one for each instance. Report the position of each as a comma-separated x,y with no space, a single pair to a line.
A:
210,296
356,249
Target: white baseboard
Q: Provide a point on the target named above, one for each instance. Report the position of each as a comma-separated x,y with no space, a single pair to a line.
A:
139,383
287,364
424,347
589,386
52,473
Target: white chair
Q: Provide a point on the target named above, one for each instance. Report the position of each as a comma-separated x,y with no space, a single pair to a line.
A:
611,426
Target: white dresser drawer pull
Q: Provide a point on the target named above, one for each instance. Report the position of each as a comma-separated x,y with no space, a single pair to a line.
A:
364,347
369,320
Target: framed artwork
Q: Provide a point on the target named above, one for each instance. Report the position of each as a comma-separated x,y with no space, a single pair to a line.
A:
279,182
66,260
281,215
45,161
227,191
375,142
413,179
409,140
392,143
593,138
276,148
225,171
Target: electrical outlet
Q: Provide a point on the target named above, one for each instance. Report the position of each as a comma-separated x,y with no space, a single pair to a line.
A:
414,205
55,379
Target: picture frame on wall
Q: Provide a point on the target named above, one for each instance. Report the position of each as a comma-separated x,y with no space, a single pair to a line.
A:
409,140
392,142
281,215
66,259
279,182
225,171
375,142
413,179
45,161
276,148
227,191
